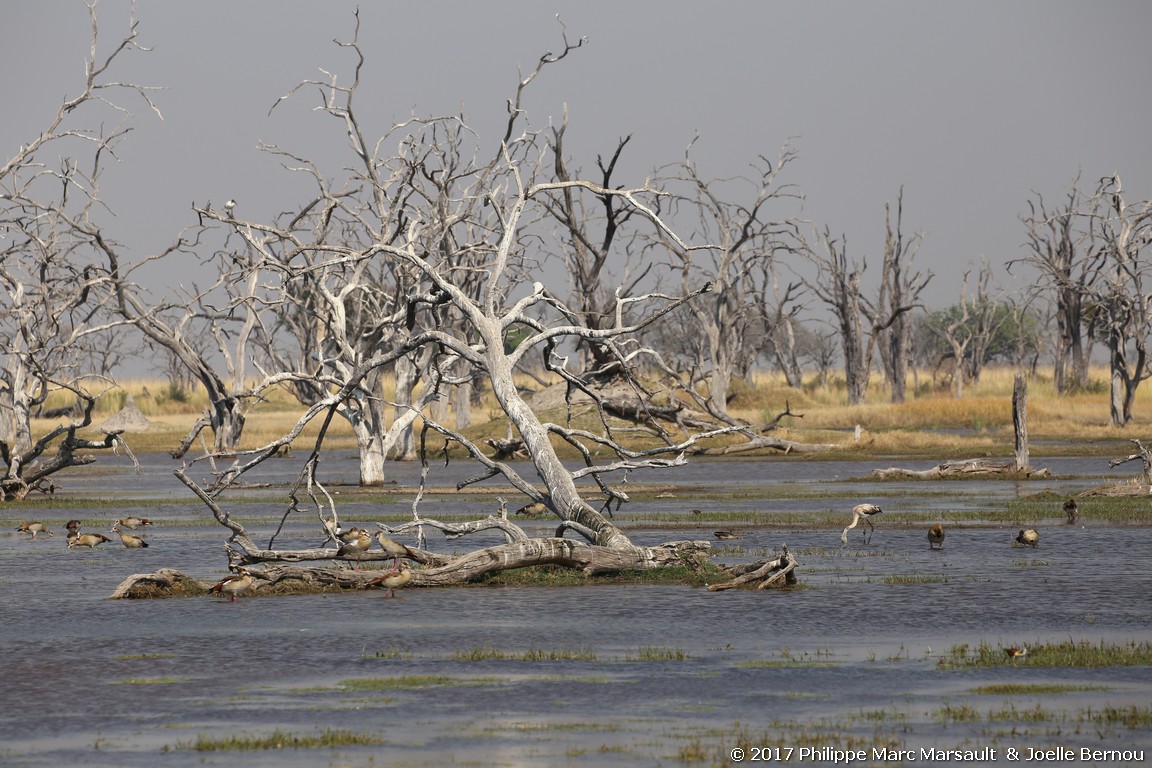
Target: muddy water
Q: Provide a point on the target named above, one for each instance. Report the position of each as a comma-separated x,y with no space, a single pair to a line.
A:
647,675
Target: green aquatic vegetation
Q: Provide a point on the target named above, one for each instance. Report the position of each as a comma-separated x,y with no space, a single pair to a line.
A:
410,682
1063,654
915,579
1131,717
1033,689
652,653
484,653
326,739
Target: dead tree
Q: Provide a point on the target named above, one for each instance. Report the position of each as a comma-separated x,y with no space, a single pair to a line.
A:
53,274
1144,455
837,284
481,222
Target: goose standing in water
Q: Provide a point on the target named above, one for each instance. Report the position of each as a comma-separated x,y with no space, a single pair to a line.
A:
34,527
238,583
534,510
130,541
395,579
861,512
90,540
1072,510
936,537
133,522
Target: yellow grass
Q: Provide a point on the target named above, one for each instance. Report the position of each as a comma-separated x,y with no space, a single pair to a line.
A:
979,422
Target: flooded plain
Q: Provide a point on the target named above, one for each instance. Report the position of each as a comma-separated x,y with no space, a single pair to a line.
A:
615,675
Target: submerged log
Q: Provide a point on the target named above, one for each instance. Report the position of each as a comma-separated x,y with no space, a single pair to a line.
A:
762,574
165,582
963,468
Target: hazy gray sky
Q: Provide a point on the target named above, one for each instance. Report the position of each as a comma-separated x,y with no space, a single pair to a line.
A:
969,105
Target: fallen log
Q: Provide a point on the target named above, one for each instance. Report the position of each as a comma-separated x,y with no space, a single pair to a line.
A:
762,574
963,468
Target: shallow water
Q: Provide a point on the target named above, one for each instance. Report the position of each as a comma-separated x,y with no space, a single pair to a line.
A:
93,682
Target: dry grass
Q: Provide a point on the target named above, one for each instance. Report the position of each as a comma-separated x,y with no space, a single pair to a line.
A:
930,423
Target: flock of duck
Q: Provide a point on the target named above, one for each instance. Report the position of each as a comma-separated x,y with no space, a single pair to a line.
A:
92,540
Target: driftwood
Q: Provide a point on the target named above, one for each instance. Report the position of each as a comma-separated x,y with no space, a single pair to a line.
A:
588,558
1143,455
762,574
962,468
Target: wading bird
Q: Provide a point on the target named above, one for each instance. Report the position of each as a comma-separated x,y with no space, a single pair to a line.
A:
1028,538
936,537
1015,653
861,512
1073,511
394,548
34,527
133,522
238,583
130,541
392,580
90,540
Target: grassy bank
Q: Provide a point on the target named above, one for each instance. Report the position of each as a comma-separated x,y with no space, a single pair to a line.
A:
930,423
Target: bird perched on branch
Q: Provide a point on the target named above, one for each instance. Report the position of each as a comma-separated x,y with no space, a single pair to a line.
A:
394,548
34,527
395,579
238,583
936,537
861,512
1027,538
130,541
1072,510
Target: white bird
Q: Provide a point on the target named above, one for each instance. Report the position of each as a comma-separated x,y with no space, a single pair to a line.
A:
230,208
1027,538
861,512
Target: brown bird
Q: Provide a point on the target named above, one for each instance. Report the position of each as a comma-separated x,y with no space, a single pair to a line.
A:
238,583
356,547
133,522
535,509
395,579
726,535
936,537
130,541
34,527
861,512
1015,653
1073,511
394,548
1028,538
90,540
72,526
346,536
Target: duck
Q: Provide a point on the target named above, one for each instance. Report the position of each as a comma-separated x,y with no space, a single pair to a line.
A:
936,537
238,583
130,541
726,535
90,540
861,512
73,526
1072,510
394,548
535,509
356,547
1027,538
395,579
34,527
133,522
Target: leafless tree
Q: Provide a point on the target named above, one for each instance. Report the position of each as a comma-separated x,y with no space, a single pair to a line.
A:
900,289
968,329
479,227
751,235
1059,248
1122,303
837,284
52,270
